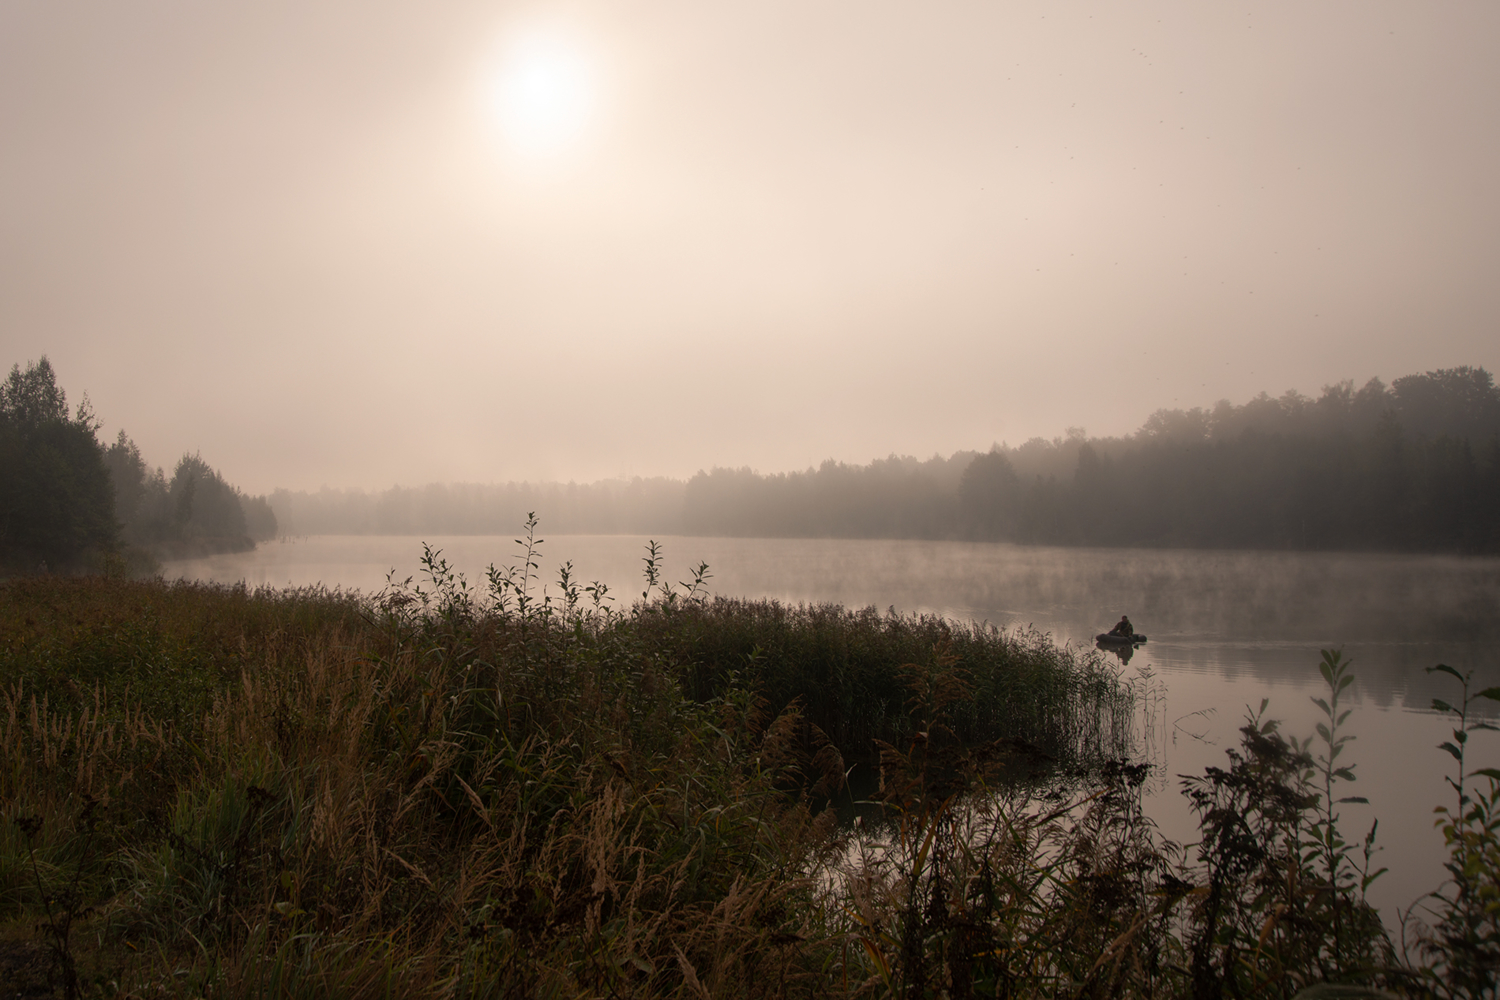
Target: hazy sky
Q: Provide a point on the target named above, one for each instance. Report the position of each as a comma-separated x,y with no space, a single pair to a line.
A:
360,243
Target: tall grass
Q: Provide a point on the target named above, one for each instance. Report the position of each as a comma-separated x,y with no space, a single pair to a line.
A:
461,790
843,667
427,793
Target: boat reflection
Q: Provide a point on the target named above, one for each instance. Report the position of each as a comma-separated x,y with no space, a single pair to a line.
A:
1123,650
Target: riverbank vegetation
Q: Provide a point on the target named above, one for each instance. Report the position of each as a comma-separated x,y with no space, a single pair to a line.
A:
457,791
1413,466
68,503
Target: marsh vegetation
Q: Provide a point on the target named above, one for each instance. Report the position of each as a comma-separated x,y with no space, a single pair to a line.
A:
456,789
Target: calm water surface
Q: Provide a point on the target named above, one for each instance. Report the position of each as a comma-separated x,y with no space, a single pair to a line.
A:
1227,629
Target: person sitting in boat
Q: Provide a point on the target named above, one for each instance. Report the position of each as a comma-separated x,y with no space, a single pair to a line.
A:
1124,627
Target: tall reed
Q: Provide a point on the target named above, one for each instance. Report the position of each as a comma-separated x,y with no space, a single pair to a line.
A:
457,789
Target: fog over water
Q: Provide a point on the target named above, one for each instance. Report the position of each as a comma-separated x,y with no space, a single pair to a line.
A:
1226,630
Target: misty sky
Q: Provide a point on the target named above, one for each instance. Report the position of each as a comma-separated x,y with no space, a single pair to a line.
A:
361,243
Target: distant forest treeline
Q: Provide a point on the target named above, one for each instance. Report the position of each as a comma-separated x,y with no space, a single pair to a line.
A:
1410,466
67,502
1415,465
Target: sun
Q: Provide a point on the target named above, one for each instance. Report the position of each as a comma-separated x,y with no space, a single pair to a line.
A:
542,93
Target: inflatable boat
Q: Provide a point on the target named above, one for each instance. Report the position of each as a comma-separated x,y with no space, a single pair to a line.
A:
1120,640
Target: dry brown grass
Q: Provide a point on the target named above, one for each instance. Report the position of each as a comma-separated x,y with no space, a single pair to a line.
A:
369,808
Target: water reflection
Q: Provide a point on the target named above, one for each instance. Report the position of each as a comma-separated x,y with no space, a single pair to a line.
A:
1121,651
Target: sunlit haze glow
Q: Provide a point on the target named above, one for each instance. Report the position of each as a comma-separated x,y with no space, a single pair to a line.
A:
541,93
361,244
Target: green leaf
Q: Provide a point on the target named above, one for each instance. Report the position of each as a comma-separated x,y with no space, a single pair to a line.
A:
1439,705
1345,682
1355,798
1483,725
1489,772
1493,694
1323,705
1444,668
1455,751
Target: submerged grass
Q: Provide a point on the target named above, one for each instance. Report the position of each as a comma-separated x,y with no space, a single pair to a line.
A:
443,791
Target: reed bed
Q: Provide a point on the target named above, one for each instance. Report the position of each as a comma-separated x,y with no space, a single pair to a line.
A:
844,668
447,791
353,799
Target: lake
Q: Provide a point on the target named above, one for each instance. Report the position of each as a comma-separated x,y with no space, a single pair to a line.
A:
1226,630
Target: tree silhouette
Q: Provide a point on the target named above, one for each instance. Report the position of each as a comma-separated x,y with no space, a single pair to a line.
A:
56,500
